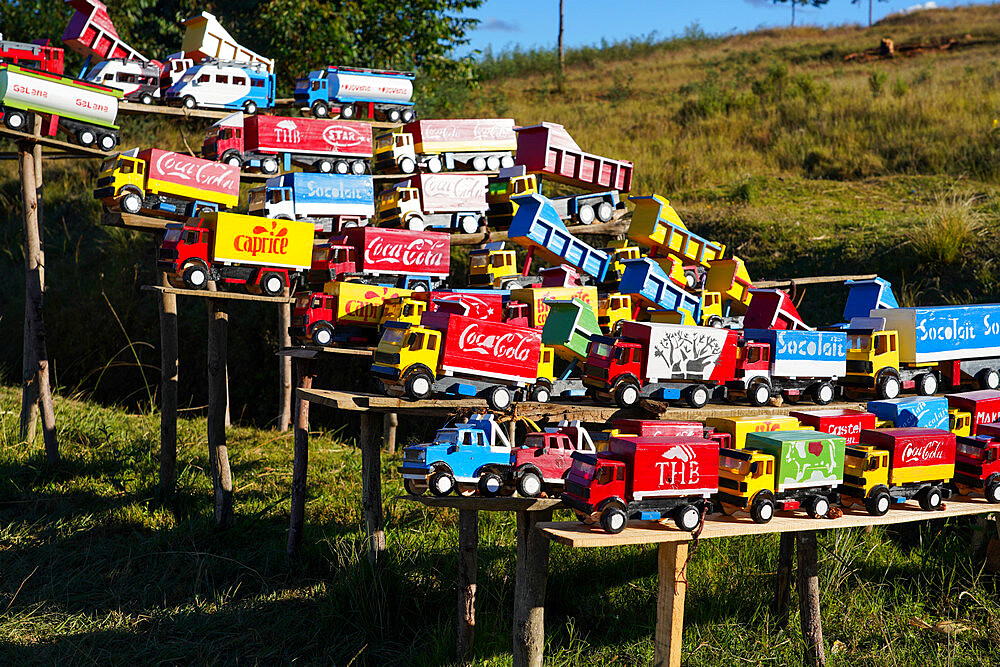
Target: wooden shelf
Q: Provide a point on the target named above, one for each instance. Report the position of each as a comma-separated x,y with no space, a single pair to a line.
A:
74,149
508,504
206,294
313,351
809,280
138,108
613,228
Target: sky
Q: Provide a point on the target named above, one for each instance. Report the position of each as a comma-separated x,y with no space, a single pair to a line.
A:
505,24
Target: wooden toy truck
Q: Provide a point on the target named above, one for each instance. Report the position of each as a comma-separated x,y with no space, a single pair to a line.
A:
224,84
845,422
354,92
547,149
425,201
894,465
739,427
389,257
336,202
781,470
977,464
774,362
652,478
542,463
32,56
343,312
515,182
479,144
982,405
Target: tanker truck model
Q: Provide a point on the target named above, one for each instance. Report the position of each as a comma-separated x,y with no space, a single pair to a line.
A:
449,201
893,465
224,84
263,255
334,201
651,478
164,183
354,92
919,348
84,110
781,470
480,144
268,144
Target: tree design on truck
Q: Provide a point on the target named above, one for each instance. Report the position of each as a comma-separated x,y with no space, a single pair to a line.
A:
688,354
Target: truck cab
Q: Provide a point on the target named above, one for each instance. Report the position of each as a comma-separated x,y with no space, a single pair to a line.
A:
403,309
272,202
312,318
960,422
543,462
331,261
612,309
753,360
224,142
492,268
977,466
873,360
500,194
394,151
185,253
121,175
618,256
594,480
406,358
866,467
609,359
743,475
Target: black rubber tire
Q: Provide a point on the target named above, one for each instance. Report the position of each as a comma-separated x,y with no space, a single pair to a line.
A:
988,378
407,115
342,167
888,387
272,284
992,491
15,120
605,211
191,277
189,102
490,485
823,393
762,508
130,202
348,112
322,335
413,488
146,98
499,398
323,166
540,393
927,384
320,109
233,159
818,507
441,483
407,165
585,215
250,107
267,168
86,137
106,142
393,115
930,499
627,394
529,484
698,397
759,393
419,385
688,518
614,520
878,502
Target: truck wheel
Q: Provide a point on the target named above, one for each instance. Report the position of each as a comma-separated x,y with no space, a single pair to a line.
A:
106,142
691,278
627,394
233,159
762,508
414,487
605,211
927,384
393,115
468,224
878,502
698,397
272,284
585,215
441,483
86,137
322,335
759,394
715,322
130,202
15,120
818,507
434,165
188,102
478,163
146,99
415,223
407,115
320,109
195,277
540,393
269,165
988,379
888,386
930,499
359,168
250,107
493,163
613,520
992,491
499,398
419,385
341,167
490,484
407,165
324,166
823,393
348,112
529,484
688,518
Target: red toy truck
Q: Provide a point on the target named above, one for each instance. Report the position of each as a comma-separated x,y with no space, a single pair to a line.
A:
846,423
390,257
644,478
983,405
270,143
542,463
977,463
33,56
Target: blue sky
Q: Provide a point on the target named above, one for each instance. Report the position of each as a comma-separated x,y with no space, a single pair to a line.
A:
533,23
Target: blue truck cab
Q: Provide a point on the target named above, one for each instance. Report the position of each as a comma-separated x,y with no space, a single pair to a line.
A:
476,451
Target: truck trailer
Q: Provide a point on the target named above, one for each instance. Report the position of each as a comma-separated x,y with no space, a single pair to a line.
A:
389,257
342,312
477,144
333,201
775,362
428,201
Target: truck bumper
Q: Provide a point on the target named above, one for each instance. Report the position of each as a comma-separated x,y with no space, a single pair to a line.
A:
576,504
413,472
386,373
166,266
298,332
865,381
104,193
737,501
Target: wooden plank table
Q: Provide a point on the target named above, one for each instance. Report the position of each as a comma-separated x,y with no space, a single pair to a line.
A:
673,554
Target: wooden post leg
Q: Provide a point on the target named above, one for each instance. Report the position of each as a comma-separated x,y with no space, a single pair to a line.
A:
670,604
512,432
812,626
285,368
168,393
468,551
783,579
300,464
218,401
531,576
29,365
389,423
371,486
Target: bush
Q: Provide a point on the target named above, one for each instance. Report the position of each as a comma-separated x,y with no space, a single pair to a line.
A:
948,230
876,82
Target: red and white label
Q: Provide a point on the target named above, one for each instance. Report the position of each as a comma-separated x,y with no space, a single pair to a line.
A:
194,172
680,467
931,452
417,255
508,346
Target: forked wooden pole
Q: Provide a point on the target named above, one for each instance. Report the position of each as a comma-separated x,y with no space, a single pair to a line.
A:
808,585
672,587
530,578
285,367
371,486
468,550
390,421
300,462
218,454
169,373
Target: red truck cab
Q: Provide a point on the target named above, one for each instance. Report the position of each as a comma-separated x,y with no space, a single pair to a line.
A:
611,358
977,463
181,244
331,261
543,462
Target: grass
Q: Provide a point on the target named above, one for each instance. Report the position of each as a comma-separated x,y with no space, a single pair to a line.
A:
96,570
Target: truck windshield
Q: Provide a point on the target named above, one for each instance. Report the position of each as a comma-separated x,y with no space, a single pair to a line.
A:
534,440
479,260
733,464
393,336
858,342
971,451
301,301
446,437
257,196
602,350
585,468
172,236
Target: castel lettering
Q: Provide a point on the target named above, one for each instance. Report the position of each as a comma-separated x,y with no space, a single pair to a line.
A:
928,452
680,467
415,255
264,241
504,347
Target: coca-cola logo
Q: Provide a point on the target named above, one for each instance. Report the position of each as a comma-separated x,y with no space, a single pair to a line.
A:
202,173
341,135
479,131
418,253
462,187
503,347
932,450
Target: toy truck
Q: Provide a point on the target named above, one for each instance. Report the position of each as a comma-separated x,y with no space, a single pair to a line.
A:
469,454
389,257
894,465
494,267
911,411
581,209
774,362
918,348
537,298
336,202
845,422
269,143
781,470
453,354
548,150
356,92
139,81
982,405
739,427
342,312
651,478
666,361
656,226
224,84
205,39
648,285
773,309
542,463
84,110
481,304
865,295
237,249
480,144
613,308
38,56
977,464
569,326
91,33
164,183
621,427
450,201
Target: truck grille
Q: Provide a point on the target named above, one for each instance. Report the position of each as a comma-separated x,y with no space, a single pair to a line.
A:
105,181
577,490
387,358
168,253
858,366
595,371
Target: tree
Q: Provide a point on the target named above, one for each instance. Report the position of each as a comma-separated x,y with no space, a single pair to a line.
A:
814,3
855,2
562,54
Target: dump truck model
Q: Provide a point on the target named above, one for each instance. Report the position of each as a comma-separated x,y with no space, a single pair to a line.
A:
342,312
581,209
537,299
845,422
38,56
205,39
977,464
781,470
548,150
389,257
911,411
775,362
918,348
268,144
651,478
91,33
569,326
224,84
542,462
139,81
657,227
773,309
739,427
84,110
893,465
863,296
452,354
494,267
479,144
164,183
667,361
982,405
336,202
426,201
265,255
650,286
355,92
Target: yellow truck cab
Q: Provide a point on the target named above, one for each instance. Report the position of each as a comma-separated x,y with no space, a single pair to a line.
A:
620,251
403,309
870,355
711,309
398,205
612,309
123,171
746,473
493,268
960,422
403,347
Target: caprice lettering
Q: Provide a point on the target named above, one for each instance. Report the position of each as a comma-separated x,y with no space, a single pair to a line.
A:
267,245
507,346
